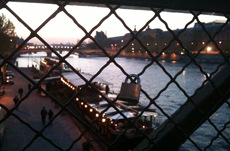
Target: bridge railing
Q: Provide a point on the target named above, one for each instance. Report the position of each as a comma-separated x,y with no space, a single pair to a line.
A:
198,108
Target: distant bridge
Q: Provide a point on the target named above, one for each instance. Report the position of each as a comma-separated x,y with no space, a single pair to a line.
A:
60,50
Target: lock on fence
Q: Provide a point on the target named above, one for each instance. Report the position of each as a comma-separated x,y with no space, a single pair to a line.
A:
130,92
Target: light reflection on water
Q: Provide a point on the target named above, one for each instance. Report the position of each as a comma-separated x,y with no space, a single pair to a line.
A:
153,81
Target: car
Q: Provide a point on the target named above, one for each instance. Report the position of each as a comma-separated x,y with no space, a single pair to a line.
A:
10,80
2,91
9,73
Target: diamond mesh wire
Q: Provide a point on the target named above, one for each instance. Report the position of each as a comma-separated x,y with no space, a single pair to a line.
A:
88,127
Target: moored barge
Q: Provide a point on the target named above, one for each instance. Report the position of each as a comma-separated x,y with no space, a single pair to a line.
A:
115,120
120,123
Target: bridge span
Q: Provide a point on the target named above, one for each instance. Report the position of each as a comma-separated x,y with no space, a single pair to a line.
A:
82,52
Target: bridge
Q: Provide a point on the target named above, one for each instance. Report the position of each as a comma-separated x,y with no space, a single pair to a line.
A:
81,51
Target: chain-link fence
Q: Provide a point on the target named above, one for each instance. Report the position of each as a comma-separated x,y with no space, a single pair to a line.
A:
199,122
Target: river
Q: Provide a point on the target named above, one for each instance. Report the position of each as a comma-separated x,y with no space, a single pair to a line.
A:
153,81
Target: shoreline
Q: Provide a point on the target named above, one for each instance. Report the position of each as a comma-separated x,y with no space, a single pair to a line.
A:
201,58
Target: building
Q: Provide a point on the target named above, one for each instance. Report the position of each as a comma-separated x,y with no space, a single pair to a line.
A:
196,39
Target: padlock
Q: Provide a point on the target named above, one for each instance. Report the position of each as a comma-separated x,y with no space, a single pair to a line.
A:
130,92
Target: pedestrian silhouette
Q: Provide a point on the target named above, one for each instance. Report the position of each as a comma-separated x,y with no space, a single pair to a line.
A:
50,115
15,100
43,114
20,91
29,86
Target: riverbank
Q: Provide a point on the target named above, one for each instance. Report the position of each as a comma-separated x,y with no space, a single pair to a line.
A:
201,58
21,126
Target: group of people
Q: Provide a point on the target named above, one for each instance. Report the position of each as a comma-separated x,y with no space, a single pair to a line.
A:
44,113
20,92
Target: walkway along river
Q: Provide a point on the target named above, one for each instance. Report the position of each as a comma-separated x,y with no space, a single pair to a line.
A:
153,80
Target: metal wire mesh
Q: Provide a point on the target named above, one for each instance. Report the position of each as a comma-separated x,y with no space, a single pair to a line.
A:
67,105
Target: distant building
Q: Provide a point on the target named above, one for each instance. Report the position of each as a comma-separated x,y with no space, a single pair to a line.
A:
192,39
100,36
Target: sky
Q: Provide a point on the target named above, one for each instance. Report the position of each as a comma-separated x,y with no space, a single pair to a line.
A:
61,29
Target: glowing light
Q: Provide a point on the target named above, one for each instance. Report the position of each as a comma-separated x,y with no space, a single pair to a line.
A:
82,103
86,106
220,42
99,96
154,115
97,115
209,48
143,126
103,120
91,110
77,99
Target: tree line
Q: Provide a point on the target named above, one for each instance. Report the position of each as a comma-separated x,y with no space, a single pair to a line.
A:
8,38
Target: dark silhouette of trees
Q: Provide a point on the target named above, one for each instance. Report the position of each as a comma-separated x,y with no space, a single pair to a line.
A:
7,35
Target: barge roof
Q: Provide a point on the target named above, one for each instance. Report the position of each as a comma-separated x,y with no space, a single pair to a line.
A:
73,78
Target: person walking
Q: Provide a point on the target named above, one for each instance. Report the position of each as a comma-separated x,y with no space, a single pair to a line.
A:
16,100
50,115
43,114
20,91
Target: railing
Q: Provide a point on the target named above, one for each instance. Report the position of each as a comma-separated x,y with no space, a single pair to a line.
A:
198,108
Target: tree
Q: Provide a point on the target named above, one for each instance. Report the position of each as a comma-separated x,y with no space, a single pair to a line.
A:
7,35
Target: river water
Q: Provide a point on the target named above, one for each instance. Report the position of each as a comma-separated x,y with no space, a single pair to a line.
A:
153,81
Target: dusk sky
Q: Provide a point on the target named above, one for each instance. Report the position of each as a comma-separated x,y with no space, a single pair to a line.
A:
62,29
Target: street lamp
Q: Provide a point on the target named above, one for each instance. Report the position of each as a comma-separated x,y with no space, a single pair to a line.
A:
209,48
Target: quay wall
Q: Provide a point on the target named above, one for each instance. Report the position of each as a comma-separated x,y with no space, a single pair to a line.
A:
209,58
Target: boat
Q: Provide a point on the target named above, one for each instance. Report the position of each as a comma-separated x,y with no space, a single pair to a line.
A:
117,121
112,118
